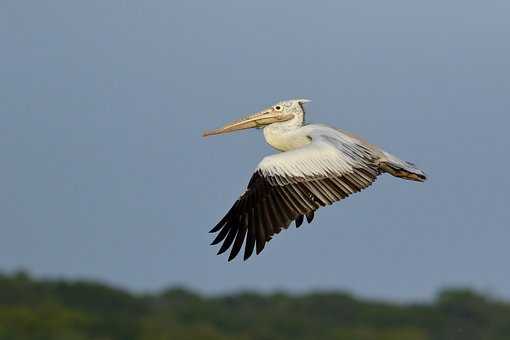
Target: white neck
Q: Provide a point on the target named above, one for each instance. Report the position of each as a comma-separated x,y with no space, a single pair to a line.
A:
284,136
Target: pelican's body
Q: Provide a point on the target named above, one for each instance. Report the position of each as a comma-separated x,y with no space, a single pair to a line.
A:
318,165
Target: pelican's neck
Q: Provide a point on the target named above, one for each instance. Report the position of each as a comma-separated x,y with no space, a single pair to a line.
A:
285,136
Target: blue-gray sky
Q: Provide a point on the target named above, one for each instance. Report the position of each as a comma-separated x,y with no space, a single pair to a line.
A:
104,174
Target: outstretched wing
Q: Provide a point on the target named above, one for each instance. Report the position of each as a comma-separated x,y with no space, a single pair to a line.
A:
290,185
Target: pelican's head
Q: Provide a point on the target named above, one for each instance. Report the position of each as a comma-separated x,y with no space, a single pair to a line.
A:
287,110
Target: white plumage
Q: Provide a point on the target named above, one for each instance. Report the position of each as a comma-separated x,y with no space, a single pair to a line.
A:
319,165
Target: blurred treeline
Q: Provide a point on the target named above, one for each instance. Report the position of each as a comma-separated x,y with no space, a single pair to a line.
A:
36,310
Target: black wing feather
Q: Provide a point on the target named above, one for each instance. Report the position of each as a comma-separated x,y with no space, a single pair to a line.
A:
272,203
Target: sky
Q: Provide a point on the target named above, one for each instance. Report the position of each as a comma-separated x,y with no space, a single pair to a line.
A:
104,174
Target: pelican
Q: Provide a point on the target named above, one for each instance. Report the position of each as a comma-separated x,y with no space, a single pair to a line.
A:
317,166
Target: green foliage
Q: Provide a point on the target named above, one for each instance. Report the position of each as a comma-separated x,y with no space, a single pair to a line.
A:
59,310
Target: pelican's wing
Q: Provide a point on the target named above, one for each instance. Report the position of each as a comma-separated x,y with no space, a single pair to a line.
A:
293,184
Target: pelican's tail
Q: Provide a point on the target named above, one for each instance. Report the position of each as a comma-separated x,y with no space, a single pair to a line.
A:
400,168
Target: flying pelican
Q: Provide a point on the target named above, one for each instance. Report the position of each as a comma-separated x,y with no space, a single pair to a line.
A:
318,165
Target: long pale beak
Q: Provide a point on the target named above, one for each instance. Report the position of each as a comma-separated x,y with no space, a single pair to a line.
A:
259,119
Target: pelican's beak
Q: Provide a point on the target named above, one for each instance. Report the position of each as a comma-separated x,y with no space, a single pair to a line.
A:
256,120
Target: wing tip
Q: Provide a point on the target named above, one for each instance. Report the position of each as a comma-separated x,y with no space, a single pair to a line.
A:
299,221
310,216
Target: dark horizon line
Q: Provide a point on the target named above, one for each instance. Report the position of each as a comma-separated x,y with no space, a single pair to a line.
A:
25,275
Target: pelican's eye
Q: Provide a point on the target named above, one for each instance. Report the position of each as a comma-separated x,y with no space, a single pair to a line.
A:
278,107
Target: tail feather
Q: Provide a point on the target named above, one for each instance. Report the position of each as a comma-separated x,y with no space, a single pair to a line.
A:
402,169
